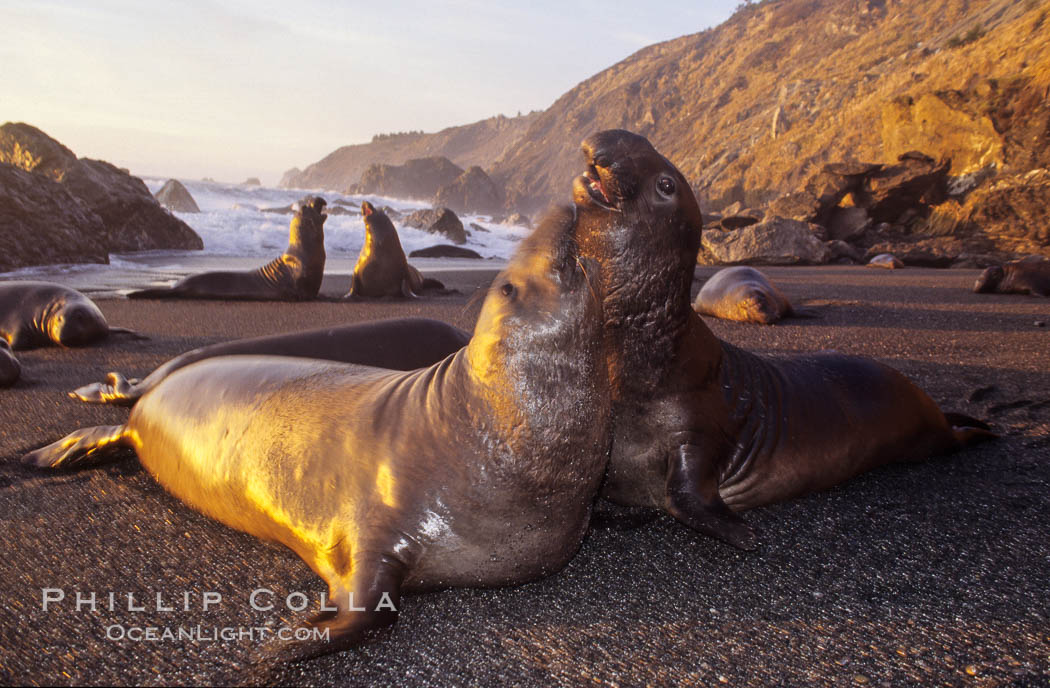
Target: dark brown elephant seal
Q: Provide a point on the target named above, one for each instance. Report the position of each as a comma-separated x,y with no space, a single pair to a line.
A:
396,344
35,314
480,470
295,275
1028,276
382,269
10,369
703,429
742,294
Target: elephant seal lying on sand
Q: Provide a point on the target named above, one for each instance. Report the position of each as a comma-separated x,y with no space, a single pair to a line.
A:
477,471
35,314
701,428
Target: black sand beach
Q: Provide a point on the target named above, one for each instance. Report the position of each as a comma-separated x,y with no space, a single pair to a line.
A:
930,573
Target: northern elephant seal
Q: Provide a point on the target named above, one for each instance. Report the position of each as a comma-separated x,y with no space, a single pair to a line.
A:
35,314
886,261
742,294
295,275
396,344
1028,276
701,428
10,369
382,269
479,470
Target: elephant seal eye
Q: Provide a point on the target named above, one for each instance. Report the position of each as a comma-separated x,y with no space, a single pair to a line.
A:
507,290
666,186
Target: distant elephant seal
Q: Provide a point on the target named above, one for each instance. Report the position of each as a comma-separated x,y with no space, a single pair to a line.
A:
35,314
10,370
701,428
479,470
886,261
742,294
382,269
293,276
1028,276
396,344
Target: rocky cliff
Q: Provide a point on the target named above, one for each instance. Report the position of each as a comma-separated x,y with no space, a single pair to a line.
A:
752,109
132,220
480,143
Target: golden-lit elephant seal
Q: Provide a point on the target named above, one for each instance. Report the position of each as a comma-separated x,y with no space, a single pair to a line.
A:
1028,276
701,428
742,294
295,275
382,269
479,470
35,314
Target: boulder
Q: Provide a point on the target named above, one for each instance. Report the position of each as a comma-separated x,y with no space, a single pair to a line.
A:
438,221
471,192
842,253
42,223
420,178
802,206
910,186
848,224
251,181
174,196
1014,212
518,219
444,251
930,252
132,219
777,241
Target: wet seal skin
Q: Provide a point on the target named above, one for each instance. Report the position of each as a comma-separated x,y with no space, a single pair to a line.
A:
37,314
295,275
382,269
10,369
480,470
701,428
397,344
1028,276
743,294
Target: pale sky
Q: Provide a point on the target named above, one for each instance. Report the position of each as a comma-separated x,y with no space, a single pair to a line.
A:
232,89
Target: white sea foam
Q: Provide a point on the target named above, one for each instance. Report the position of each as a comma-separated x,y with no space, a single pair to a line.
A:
238,235
232,222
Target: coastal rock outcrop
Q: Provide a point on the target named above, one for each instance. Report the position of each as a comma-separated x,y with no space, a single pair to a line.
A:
420,178
132,218
444,251
776,241
42,223
175,196
471,192
438,221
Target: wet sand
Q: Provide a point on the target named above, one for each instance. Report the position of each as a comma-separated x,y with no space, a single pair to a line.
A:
936,572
